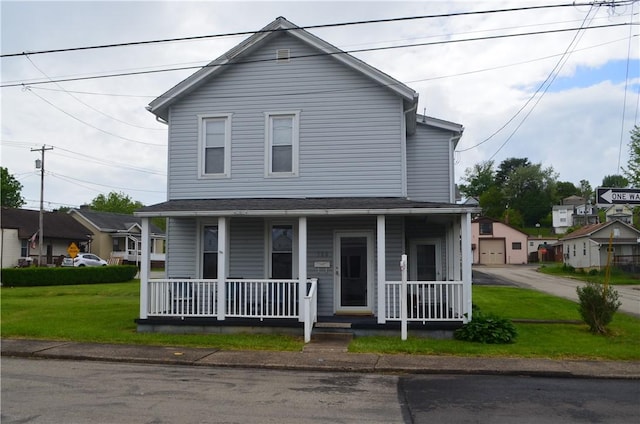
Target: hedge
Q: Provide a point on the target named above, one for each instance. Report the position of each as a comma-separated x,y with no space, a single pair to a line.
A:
42,276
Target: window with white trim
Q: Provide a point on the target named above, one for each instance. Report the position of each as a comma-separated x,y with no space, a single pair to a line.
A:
282,138
281,247
215,145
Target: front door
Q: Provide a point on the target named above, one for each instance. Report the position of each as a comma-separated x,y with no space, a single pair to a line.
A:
425,260
353,272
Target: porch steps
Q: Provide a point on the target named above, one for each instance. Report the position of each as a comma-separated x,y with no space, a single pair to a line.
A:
330,337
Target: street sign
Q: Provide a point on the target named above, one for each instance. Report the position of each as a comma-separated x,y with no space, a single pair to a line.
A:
607,196
73,250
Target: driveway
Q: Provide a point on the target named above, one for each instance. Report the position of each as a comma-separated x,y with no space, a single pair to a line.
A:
527,276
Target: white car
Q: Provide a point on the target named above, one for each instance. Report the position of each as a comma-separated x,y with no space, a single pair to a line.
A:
88,259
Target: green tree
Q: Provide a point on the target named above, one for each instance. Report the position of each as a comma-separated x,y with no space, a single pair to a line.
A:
507,167
565,189
478,179
115,203
492,203
531,190
632,172
615,181
10,190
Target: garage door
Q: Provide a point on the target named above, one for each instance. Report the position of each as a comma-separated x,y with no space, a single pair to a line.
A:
492,251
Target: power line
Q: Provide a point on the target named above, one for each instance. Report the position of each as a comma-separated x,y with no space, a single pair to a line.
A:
340,24
341,52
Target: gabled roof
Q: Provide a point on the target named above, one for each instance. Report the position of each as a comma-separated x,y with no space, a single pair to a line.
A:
496,221
590,230
108,222
160,106
56,225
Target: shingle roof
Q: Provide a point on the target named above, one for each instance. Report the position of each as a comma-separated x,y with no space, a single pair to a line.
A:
589,230
56,225
291,206
112,222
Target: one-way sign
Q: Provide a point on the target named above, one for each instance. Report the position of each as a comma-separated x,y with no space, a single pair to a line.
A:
607,196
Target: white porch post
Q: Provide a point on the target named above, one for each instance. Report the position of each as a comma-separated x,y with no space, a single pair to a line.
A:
222,267
382,268
145,268
467,258
302,265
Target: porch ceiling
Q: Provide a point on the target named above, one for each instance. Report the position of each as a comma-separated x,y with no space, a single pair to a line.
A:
301,207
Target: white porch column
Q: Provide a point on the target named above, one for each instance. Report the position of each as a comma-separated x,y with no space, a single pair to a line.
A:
222,267
145,268
302,265
382,267
467,258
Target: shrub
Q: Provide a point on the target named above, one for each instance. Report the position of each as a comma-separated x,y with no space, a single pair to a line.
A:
41,276
598,303
490,329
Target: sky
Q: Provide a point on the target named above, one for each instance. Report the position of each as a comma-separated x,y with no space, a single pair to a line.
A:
564,99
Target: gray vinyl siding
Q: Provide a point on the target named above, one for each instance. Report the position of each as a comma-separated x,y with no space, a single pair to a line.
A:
351,131
428,165
182,249
247,248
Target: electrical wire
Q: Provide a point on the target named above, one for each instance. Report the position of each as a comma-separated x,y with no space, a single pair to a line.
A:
341,52
340,24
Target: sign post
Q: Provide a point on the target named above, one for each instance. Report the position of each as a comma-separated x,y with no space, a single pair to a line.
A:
607,196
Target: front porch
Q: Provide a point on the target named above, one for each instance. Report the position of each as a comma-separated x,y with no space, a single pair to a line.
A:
211,305
315,261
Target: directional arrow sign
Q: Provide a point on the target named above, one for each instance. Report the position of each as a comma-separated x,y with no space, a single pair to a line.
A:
617,196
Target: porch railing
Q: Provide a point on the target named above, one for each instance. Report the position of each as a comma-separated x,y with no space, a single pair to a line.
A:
186,297
426,301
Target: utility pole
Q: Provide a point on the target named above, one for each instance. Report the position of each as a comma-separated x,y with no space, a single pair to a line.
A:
40,164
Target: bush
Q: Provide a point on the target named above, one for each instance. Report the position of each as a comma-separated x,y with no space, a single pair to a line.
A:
41,276
597,305
490,329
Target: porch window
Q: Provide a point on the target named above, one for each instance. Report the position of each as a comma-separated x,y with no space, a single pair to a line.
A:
24,248
118,244
215,145
282,251
210,252
281,143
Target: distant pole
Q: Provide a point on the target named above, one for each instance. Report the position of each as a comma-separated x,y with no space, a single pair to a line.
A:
41,215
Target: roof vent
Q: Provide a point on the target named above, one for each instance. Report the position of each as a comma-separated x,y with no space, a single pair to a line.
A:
283,55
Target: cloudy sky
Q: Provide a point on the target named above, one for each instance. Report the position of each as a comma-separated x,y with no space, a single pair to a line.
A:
564,99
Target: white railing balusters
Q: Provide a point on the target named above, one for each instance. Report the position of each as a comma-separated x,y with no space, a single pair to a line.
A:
426,301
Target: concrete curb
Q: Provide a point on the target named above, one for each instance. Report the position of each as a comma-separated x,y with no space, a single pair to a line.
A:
334,360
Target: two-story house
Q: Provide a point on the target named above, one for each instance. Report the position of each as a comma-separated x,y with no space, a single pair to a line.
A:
298,176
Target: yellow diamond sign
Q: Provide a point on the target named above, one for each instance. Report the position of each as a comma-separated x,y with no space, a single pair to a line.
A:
73,250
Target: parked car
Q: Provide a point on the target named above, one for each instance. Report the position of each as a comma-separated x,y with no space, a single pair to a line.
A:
88,259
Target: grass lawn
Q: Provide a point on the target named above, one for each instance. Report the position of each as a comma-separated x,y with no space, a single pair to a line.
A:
617,277
105,313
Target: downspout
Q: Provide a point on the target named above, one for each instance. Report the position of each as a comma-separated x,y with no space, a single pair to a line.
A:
403,147
453,142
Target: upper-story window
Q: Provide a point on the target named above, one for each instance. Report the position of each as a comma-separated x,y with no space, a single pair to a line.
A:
215,145
281,151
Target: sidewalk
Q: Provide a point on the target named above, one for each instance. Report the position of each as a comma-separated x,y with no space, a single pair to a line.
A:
330,358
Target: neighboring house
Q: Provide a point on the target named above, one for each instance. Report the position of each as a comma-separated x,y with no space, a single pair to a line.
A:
574,210
496,243
297,177
19,245
622,213
587,248
117,235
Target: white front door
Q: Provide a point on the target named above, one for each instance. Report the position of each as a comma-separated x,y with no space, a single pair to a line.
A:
353,272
